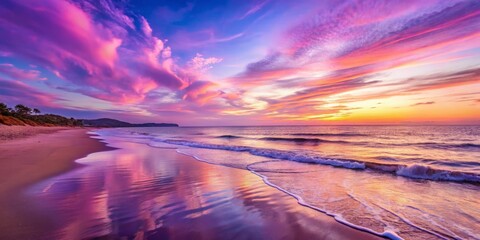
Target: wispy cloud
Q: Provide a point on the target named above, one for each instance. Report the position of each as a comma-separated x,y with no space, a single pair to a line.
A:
252,10
19,74
202,38
423,103
15,92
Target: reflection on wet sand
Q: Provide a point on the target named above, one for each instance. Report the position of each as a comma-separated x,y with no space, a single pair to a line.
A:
150,193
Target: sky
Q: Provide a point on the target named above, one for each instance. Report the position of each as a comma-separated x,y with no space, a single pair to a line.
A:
210,63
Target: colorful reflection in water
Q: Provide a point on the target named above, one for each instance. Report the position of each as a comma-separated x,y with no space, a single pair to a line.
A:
415,182
152,193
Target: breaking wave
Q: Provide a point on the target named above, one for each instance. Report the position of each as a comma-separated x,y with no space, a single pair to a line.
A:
414,171
330,134
301,140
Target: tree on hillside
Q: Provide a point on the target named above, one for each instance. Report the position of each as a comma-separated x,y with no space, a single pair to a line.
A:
22,115
22,110
4,109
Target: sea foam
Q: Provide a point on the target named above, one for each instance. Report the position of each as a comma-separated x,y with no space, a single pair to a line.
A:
415,171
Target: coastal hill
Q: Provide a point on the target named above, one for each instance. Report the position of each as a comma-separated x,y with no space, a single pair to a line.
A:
108,122
23,115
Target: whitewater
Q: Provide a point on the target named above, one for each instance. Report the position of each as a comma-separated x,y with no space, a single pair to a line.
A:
400,182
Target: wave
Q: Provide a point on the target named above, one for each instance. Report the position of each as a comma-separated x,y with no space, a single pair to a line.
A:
330,134
450,146
425,172
287,139
301,140
444,146
229,136
275,154
346,134
419,171
437,145
415,171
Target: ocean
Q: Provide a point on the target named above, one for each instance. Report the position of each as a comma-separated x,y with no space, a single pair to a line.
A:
399,182
412,182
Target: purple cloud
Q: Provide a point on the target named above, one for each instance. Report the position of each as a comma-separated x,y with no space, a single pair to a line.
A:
92,45
19,74
15,92
423,103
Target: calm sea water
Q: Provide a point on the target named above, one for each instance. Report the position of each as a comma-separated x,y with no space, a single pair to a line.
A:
412,182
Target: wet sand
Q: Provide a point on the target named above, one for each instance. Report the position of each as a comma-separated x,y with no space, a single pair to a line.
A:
30,155
141,192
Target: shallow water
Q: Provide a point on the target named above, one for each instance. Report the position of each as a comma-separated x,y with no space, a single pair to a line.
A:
144,192
401,182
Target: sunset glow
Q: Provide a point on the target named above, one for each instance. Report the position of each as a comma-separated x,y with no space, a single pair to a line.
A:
245,62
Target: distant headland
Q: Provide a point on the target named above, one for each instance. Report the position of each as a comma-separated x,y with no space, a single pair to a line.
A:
108,122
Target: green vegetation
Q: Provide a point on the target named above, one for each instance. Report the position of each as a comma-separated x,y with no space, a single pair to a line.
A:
23,115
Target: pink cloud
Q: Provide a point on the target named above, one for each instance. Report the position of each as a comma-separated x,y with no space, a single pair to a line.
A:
19,74
201,92
100,55
202,64
147,30
17,92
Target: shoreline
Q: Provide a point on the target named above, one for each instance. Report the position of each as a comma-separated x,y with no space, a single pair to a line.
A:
301,202
281,214
30,158
315,217
43,155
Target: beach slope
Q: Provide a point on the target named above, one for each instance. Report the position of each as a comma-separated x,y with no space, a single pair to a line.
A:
29,155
